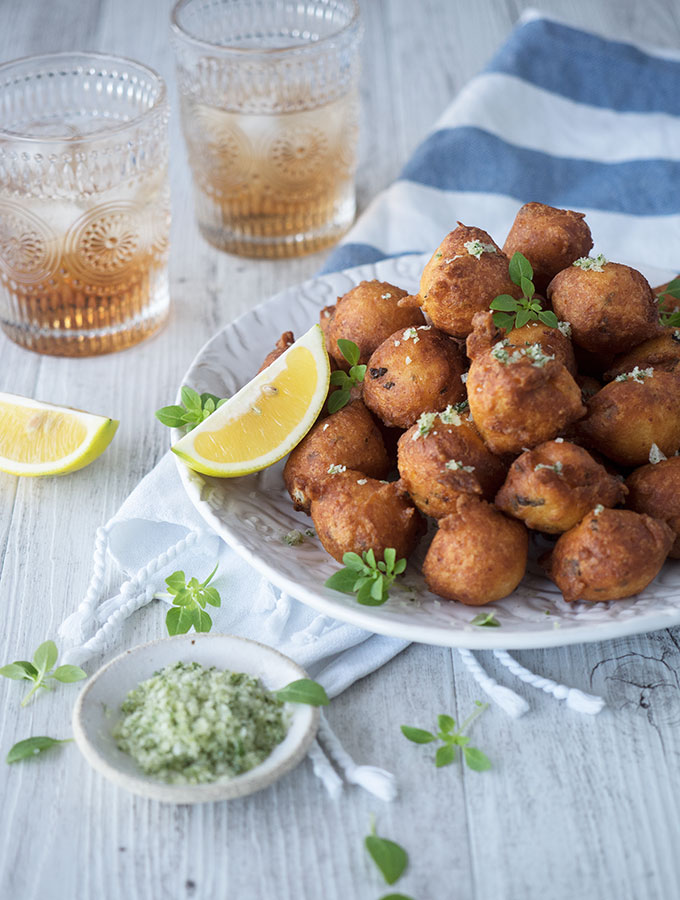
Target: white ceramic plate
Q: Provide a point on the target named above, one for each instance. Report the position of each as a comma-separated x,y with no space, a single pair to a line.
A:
252,513
98,708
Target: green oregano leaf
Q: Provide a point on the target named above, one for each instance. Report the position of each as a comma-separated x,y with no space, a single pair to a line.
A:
504,302
33,746
68,674
418,735
15,672
476,760
445,755
349,350
337,400
548,317
388,856
486,620
304,691
45,656
172,416
445,724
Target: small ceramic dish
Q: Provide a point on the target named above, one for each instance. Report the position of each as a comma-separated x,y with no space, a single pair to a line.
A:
98,709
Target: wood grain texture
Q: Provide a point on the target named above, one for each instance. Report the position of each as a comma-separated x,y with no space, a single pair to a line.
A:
574,806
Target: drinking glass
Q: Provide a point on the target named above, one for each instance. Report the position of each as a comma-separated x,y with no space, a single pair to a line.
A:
269,108
84,203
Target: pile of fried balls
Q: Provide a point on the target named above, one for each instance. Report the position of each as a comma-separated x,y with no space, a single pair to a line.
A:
571,431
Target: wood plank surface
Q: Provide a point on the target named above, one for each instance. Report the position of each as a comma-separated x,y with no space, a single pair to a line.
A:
575,807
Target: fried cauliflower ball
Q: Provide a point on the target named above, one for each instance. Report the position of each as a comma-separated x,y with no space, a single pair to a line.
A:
553,341
348,438
353,513
413,371
661,352
463,276
286,340
478,555
443,456
551,239
552,487
611,554
367,315
655,490
519,397
610,306
629,415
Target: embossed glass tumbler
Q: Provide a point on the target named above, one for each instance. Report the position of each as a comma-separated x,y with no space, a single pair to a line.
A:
269,104
84,203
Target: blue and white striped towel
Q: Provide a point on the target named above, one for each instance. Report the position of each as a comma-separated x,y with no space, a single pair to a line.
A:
559,116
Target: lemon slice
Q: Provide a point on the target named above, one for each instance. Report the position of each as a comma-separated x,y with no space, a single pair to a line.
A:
41,439
266,418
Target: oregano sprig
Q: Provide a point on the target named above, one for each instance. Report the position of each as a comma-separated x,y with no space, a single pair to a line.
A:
189,600
194,409
343,380
670,318
369,580
512,313
42,669
451,739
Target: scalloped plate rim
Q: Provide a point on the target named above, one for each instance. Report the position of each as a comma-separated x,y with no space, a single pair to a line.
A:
369,618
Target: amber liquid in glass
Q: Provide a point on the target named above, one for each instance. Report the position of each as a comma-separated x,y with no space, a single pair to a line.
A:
81,280
273,185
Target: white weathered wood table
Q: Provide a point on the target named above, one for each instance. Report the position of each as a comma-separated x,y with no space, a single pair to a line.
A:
575,807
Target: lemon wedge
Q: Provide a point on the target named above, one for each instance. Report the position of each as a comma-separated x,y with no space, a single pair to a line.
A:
266,418
41,439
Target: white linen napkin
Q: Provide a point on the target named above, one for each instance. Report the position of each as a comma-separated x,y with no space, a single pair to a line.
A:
139,539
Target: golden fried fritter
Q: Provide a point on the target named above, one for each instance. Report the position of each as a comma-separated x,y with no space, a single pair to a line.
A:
551,239
348,438
367,315
415,370
611,554
610,306
553,342
284,342
478,555
552,487
463,276
519,397
443,456
629,415
661,352
353,513
655,490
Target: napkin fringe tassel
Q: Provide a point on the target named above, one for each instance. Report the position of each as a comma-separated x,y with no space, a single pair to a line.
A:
510,702
579,701
134,593
376,781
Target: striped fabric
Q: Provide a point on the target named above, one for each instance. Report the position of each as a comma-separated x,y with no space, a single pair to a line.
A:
560,116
